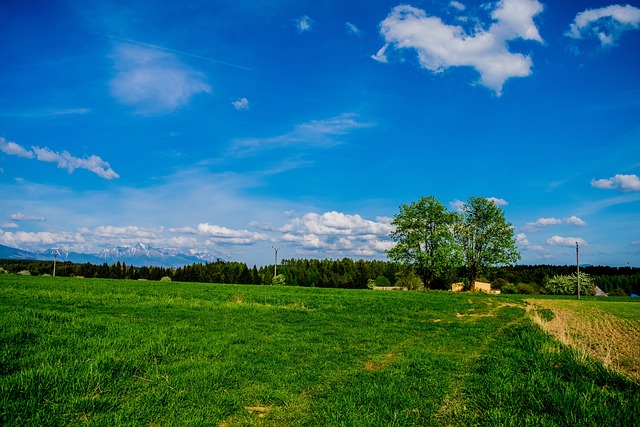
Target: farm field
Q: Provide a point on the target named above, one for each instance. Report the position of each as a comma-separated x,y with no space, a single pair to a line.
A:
104,352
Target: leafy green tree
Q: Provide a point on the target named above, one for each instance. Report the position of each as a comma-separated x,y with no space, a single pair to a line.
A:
424,236
484,236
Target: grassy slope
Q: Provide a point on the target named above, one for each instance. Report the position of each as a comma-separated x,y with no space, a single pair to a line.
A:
100,352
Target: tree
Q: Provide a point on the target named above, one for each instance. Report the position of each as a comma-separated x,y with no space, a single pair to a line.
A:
484,236
424,236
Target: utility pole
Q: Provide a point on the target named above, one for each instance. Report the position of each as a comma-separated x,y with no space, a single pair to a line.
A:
578,269
55,255
275,264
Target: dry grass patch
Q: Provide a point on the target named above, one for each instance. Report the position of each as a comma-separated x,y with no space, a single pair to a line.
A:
384,361
593,332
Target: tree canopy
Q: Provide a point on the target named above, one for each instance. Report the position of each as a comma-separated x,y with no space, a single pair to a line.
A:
485,237
424,238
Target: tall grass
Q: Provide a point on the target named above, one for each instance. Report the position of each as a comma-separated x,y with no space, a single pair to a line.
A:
103,352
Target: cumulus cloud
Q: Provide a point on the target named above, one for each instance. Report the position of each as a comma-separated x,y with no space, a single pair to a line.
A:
304,24
546,222
605,23
9,225
21,238
566,241
440,46
227,235
339,233
13,149
497,201
618,182
153,81
64,160
241,104
522,241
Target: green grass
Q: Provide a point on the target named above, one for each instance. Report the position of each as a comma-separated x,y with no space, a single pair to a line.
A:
105,352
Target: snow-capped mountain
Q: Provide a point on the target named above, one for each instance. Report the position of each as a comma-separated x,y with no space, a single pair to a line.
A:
136,255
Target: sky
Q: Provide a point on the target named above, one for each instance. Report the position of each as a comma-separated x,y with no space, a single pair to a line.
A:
234,127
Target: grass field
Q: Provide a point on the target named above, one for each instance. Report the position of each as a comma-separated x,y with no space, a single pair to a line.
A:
106,352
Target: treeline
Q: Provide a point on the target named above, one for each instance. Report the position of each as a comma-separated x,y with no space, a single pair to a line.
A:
345,273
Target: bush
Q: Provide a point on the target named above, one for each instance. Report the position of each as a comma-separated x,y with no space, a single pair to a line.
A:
165,279
568,285
279,280
382,282
499,283
525,288
25,273
509,288
410,280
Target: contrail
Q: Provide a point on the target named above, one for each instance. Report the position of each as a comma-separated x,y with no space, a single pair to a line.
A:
179,52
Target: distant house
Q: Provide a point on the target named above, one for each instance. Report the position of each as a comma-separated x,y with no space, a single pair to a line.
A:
480,287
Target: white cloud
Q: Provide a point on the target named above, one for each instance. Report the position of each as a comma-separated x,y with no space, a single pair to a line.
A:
381,55
440,46
304,24
226,235
546,222
319,133
241,104
618,182
19,216
352,29
498,202
514,19
20,238
523,243
66,161
457,205
153,81
566,241
336,223
13,149
606,23
339,234
9,225
457,5
574,220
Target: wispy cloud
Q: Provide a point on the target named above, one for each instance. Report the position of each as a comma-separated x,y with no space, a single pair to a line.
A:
64,160
153,81
19,216
441,46
618,182
49,112
317,133
353,29
605,24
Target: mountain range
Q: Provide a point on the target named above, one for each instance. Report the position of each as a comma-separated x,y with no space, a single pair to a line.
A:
137,255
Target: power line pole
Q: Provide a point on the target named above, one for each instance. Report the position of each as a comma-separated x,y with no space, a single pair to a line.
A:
578,269
275,264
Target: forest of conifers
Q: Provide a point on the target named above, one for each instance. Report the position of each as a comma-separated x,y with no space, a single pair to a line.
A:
344,273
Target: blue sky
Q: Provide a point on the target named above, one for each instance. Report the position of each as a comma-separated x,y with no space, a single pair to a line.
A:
235,126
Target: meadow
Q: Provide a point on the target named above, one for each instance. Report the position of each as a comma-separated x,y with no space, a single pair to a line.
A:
103,352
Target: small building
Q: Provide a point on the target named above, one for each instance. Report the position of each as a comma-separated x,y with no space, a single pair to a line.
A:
479,287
